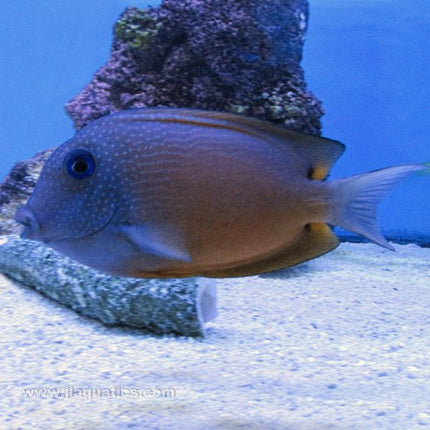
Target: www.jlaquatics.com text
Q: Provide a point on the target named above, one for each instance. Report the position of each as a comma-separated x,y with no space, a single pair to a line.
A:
69,392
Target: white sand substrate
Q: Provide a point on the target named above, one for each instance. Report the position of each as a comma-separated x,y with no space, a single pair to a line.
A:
340,342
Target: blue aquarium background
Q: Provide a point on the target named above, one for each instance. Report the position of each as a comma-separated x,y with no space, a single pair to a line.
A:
367,60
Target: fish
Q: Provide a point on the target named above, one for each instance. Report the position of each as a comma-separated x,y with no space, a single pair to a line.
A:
171,192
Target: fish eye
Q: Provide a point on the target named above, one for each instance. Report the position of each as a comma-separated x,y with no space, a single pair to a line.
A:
79,163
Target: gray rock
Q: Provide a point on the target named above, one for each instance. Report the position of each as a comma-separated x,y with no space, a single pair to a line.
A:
174,306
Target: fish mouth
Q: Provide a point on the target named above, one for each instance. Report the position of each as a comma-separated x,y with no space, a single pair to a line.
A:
32,228
28,220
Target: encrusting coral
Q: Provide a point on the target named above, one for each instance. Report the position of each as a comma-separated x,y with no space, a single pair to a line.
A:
242,57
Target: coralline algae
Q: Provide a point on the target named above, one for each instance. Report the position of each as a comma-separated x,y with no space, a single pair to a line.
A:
241,57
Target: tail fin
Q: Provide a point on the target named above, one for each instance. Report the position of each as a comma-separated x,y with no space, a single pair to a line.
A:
357,198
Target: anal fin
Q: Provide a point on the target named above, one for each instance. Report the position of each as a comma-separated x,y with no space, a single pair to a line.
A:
317,239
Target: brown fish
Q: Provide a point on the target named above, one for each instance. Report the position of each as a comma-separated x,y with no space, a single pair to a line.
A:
176,192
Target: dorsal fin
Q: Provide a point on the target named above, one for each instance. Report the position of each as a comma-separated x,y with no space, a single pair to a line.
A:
320,153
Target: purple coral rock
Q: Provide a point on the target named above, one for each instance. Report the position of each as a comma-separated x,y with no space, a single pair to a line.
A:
16,189
241,57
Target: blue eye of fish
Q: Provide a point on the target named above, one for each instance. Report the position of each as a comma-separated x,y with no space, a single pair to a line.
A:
79,163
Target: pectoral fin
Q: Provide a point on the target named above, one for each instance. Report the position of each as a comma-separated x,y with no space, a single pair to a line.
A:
161,242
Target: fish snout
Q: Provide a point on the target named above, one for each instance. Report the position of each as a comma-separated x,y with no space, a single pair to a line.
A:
26,217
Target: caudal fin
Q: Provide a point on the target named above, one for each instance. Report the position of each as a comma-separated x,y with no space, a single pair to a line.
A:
357,198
